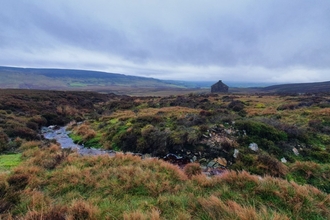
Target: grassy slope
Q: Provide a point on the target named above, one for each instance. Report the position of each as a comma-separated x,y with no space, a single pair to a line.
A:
51,183
126,187
64,79
277,124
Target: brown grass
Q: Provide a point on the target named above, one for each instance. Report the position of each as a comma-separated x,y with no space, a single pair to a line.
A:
176,111
138,215
192,169
205,181
218,209
85,131
309,168
81,210
239,179
271,165
30,144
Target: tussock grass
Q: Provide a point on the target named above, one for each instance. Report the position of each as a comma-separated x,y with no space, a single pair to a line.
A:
192,169
166,111
51,183
127,187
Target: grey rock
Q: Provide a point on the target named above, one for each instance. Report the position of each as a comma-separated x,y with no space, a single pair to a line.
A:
254,147
236,152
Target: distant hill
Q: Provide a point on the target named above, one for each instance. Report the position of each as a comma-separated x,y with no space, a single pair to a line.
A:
66,79
299,88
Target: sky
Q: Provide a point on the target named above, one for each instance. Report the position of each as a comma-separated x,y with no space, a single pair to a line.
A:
274,41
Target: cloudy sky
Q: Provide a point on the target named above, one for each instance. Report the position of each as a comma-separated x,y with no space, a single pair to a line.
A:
242,40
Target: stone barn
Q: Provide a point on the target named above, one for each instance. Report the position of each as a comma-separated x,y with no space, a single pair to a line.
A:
219,87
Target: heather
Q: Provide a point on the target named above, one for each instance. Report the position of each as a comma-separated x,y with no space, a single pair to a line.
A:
268,155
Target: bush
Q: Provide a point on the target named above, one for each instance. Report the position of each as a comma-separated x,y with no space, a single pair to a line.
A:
39,120
236,105
54,119
32,125
22,132
3,142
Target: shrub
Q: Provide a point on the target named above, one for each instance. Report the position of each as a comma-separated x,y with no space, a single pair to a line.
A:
32,125
3,142
236,105
287,107
146,130
22,132
54,119
41,121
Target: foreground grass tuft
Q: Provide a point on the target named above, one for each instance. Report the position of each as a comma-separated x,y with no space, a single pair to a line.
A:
127,187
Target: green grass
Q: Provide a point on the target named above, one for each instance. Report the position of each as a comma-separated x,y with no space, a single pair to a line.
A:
8,161
77,139
127,187
52,182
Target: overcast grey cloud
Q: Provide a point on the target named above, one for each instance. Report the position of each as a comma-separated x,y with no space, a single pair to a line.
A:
242,40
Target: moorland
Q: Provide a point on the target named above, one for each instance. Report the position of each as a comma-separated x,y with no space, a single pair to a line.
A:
105,82
251,156
78,80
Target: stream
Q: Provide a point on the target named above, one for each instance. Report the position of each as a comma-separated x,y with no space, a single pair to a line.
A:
61,135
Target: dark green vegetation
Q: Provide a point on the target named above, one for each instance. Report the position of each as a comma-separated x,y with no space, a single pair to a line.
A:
51,183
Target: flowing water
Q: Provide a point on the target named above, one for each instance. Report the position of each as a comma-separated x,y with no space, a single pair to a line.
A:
61,135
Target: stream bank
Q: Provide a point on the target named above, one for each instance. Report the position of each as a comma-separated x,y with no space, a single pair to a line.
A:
61,135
